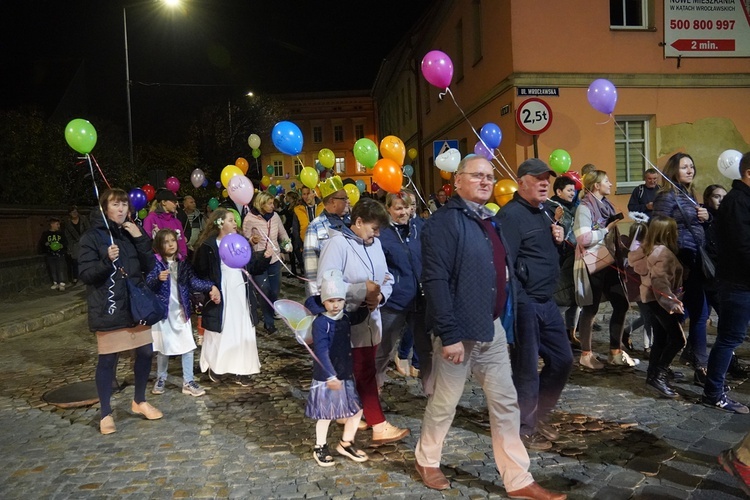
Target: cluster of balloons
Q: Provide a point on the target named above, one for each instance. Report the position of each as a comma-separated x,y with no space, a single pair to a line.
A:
80,135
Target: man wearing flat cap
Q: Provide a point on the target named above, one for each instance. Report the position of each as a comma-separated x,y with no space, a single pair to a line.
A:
533,236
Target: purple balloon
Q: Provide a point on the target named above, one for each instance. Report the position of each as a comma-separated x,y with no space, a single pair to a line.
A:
218,184
491,135
480,150
137,199
437,69
234,250
602,96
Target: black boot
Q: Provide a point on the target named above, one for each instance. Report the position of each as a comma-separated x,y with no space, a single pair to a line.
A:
659,383
699,377
673,375
736,370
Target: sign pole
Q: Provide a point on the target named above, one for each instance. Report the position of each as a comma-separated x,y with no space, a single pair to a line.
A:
536,148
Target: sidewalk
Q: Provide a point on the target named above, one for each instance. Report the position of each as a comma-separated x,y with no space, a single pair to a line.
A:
38,308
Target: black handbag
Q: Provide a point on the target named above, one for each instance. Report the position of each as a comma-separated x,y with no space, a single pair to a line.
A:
145,306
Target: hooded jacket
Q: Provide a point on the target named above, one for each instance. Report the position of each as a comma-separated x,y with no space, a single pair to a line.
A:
187,282
107,292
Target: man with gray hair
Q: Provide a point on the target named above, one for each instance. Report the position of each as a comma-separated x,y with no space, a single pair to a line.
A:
470,302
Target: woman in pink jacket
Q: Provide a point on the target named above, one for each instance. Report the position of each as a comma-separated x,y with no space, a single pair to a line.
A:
164,216
263,227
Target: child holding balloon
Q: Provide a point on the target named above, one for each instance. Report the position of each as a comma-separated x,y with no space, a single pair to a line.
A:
173,280
54,246
221,256
333,394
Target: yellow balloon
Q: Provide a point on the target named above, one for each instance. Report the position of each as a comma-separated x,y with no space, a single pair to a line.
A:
265,181
493,207
229,172
225,193
504,189
278,182
352,192
309,177
326,158
412,153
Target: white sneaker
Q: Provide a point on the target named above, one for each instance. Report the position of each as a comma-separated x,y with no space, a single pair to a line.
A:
622,359
54,286
61,287
192,388
590,361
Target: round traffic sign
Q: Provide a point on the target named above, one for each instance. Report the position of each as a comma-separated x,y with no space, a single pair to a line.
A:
534,116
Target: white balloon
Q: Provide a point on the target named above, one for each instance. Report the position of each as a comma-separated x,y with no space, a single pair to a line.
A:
253,141
449,160
197,178
729,163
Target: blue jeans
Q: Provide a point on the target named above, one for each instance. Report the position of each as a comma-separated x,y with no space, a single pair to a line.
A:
404,347
696,307
540,331
732,330
162,363
270,283
394,324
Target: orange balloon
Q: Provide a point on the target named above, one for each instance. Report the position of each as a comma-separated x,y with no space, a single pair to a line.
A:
392,148
242,164
445,175
388,175
504,189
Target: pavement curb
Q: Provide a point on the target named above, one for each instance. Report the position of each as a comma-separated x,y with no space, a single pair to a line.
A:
52,318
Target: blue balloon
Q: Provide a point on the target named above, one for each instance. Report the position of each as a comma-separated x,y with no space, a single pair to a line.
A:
408,170
361,185
138,199
491,135
205,183
293,185
287,137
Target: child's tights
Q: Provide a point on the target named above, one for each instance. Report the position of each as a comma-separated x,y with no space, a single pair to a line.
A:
350,429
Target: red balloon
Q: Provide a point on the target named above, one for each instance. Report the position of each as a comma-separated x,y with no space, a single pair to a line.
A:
576,177
149,190
448,189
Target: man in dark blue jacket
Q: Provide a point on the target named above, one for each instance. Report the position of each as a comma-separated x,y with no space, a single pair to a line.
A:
533,237
464,264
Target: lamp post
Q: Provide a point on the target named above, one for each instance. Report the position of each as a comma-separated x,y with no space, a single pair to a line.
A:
171,3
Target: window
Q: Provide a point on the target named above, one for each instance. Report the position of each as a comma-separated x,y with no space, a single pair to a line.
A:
458,61
476,17
631,151
278,168
317,134
361,168
338,133
340,166
359,131
628,14
297,166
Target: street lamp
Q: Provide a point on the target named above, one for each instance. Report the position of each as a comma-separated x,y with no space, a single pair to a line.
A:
170,3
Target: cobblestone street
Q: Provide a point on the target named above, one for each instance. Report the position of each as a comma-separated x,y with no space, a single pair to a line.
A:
617,442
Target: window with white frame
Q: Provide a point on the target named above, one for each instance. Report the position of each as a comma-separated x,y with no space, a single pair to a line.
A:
361,168
317,133
338,133
340,166
297,166
628,14
278,168
631,151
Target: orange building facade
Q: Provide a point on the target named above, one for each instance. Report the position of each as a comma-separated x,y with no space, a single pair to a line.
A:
332,120
501,49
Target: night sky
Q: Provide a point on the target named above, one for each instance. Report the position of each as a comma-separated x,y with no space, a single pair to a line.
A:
67,56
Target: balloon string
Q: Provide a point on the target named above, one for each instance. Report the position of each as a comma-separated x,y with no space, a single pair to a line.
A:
277,255
111,304
100,172
507,169
250,278
640,152
609,118
416,190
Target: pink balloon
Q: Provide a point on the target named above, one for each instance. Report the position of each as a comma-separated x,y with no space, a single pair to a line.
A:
437,69
240,189
173,184
482,151
234,250
602,96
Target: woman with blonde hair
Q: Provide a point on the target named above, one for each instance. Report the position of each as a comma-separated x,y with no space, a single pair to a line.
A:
263,227
595,217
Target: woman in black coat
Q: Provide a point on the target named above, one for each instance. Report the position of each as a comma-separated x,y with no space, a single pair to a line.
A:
112,248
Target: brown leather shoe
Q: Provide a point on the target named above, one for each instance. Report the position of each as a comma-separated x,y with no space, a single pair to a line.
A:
146,410
433,477
536,492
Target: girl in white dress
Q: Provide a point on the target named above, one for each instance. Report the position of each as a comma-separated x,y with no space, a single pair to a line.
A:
229,343
172,279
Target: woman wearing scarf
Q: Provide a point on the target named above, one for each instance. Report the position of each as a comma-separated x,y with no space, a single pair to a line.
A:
593,220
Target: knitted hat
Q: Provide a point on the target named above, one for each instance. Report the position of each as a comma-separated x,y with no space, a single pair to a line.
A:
333,286
330,186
